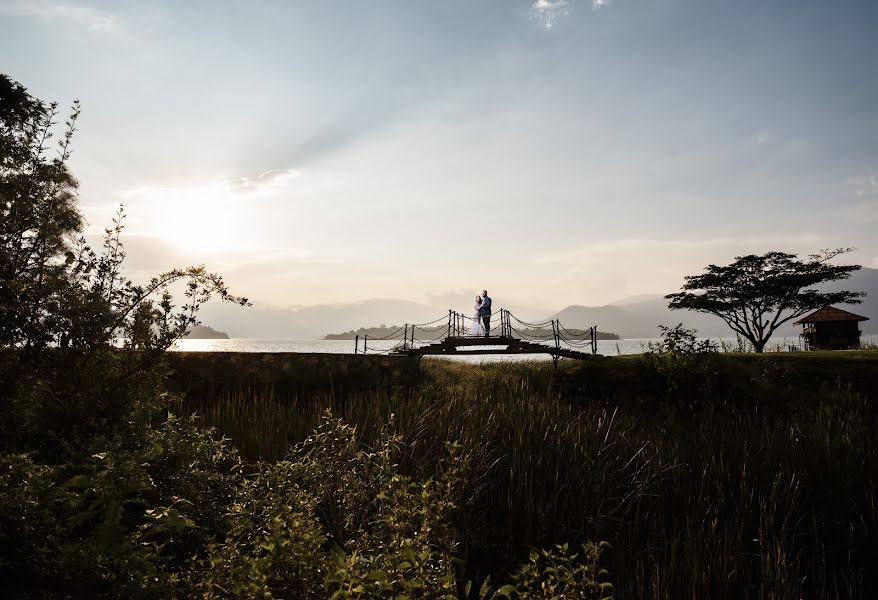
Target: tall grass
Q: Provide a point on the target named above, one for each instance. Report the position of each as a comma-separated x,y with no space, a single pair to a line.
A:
708,503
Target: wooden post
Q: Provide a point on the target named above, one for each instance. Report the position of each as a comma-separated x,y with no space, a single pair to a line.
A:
413,338
449,323
365,341
356,343
405,335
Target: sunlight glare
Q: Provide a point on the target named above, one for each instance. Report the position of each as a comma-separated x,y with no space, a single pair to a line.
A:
199,219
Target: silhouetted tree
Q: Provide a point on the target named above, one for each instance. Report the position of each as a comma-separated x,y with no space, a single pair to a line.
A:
79,342
756,294
38,213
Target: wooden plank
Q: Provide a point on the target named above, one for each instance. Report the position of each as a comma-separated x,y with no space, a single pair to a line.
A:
537,350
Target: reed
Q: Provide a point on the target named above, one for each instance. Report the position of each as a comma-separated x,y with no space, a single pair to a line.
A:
716,502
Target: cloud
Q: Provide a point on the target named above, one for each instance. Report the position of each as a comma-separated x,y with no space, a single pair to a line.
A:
550,12
602,271
148,255
653,247
865,186
213,218
274,179
250,257
92,19
864,210
863,213
228,187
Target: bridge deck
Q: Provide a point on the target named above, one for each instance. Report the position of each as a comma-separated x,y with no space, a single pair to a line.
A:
464,346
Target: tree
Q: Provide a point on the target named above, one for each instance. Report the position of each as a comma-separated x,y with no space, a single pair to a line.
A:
81,345
756,294
38,213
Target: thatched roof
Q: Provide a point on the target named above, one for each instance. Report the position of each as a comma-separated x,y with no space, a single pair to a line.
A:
830,313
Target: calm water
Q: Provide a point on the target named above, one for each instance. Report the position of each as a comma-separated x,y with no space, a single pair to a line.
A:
606,347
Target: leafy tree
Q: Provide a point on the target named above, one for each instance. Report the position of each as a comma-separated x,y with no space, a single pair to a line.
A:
38,212
756,294
79,342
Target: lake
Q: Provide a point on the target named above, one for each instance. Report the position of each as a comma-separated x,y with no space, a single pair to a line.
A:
605,347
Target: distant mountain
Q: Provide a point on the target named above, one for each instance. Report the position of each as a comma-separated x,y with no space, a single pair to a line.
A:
864,280
639,316
394,332
203,332
313,322
632,317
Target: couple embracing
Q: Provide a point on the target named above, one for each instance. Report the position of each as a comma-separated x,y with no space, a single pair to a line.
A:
481,315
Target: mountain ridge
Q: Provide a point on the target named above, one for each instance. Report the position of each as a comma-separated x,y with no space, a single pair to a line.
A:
634,317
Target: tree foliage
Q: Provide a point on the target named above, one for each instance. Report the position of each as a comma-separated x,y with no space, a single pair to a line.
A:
756,294
80,343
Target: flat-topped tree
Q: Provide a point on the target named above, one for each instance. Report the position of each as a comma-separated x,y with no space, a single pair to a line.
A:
756,294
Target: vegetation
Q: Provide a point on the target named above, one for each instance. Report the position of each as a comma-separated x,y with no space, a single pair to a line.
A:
711,475
104,493
756,294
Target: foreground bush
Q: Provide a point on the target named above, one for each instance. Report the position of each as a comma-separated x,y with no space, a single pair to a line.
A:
181,516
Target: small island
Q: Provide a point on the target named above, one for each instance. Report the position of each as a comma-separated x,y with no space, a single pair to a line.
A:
573,333
203,332
394,332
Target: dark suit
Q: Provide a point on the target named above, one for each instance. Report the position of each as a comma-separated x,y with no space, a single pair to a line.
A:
485,313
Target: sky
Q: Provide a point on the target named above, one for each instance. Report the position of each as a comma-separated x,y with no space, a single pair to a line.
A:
557,152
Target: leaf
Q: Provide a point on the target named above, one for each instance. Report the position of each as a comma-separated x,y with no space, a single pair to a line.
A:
507,591
79,482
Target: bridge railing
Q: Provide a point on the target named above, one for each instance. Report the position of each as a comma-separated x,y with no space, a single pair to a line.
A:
503,325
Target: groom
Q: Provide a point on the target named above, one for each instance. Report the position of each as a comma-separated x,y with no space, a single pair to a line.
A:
485,312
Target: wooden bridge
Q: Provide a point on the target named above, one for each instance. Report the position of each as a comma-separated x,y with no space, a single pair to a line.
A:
450,336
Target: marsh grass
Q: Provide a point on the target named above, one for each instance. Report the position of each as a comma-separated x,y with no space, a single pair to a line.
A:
711,502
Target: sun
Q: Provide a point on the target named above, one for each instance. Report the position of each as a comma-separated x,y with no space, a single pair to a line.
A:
206,220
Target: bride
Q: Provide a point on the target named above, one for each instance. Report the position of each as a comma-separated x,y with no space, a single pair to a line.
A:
477,328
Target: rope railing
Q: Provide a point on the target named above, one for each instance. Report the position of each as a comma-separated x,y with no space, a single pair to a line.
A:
504,325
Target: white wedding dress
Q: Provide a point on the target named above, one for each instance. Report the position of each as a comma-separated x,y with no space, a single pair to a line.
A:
477,328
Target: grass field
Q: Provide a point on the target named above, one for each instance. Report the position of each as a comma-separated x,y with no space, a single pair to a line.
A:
715,476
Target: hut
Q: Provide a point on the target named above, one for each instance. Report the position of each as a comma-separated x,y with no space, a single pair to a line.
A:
830,328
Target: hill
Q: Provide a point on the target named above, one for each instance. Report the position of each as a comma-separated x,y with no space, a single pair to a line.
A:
203,332
633,317
639,316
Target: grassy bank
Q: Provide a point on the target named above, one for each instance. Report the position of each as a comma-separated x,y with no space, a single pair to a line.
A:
716,476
